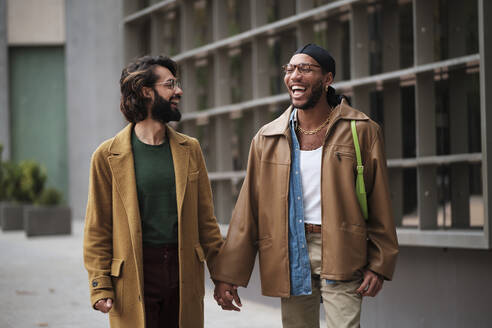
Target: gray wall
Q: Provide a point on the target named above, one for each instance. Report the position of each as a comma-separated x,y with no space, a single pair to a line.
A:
434,287
4,80
94,61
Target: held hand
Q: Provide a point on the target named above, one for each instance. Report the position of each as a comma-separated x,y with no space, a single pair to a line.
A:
371,285
224,294
104,305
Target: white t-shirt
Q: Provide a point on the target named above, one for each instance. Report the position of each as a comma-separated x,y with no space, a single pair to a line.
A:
311,184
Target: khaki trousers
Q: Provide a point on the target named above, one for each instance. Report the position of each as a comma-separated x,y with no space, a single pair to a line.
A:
341,302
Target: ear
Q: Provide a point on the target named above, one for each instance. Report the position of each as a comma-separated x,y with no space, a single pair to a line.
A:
148,93
328,79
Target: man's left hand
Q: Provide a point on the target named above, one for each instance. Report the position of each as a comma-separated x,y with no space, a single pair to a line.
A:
371,285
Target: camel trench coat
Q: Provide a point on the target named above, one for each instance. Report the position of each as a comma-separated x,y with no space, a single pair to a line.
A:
113,233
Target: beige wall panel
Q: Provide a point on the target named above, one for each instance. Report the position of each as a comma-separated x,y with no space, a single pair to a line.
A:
36,22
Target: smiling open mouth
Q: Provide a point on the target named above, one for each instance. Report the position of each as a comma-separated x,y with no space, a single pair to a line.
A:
297,90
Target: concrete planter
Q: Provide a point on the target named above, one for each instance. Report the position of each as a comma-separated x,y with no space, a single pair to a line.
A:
11,216
47,220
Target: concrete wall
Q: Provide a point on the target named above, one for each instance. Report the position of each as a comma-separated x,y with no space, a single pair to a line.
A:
35,22
94,61
434,287
4,77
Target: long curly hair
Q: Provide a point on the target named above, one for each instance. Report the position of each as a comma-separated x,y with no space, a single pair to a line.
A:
134,77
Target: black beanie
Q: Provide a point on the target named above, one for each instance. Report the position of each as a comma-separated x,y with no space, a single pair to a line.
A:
319,54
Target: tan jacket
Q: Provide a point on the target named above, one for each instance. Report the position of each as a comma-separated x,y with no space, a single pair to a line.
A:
113,235
260,218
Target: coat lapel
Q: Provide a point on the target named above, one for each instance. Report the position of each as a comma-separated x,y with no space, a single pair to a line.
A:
123,169
181,158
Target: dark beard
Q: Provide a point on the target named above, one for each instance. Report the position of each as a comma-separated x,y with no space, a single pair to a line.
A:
315,96
161,110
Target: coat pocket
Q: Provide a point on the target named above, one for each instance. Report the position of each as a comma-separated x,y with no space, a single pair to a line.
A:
193,176
199,253
116,273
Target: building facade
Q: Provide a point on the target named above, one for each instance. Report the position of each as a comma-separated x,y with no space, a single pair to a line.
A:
420,68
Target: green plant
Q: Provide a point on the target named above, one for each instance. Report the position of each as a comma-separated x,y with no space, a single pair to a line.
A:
49,197
33,178
11,181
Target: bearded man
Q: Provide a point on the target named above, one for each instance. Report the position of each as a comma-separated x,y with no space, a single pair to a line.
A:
150,222
298,206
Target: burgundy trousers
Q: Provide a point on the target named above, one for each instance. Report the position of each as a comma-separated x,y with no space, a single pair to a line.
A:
161,286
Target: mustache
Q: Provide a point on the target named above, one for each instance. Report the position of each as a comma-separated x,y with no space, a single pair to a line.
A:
178,97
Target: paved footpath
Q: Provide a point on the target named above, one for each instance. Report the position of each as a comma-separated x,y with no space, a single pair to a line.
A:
43,284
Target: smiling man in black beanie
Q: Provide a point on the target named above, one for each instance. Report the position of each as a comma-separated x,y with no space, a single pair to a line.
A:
302,205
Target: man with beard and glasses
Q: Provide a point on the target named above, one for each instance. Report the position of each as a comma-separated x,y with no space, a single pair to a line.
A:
150,222
299,209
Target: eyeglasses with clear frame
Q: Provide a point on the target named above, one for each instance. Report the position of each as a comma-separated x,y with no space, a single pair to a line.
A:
303,68
171,84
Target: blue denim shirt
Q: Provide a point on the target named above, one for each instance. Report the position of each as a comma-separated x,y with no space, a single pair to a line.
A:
300,267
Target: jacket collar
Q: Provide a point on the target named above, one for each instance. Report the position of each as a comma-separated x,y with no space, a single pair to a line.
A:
122,142
123,166
280,125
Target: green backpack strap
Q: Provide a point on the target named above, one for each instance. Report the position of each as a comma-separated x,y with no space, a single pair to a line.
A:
360,188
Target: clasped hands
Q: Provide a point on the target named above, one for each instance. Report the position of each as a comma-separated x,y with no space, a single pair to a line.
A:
225,294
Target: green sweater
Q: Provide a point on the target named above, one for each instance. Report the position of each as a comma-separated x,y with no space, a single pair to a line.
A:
156,189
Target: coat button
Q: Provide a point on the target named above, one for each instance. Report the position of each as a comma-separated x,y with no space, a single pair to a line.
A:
94,283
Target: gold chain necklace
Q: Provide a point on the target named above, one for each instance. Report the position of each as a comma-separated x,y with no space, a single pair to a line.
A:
311,132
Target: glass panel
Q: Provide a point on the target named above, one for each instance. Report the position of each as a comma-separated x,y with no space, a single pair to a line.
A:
456,29
406,35
471,26
345,62
203,135
377,110
235,78
204,88
280,49
442,115
476,196
278,9
410,218
168,32
375,39
443,197
317,3
238,162
473,105
337,45
458,111
408,121
238,16
137,39
274,53
202,22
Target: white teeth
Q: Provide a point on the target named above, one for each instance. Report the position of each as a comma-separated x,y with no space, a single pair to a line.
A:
298,88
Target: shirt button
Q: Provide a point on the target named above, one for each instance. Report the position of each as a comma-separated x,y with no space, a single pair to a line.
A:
302,246
298,198
297,172
300,221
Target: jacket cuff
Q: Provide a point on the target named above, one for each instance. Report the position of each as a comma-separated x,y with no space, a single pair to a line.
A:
101,287
380,272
